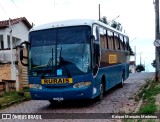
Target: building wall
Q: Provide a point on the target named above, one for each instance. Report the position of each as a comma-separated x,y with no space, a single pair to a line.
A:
132,68
5,72
5,55
19,31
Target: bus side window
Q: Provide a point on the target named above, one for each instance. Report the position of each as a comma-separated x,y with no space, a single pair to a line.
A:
125,42
116,41
95,33
102,39
124,45
121,43
110,40
96,49
106,39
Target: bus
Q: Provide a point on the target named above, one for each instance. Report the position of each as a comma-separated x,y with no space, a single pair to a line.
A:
75,59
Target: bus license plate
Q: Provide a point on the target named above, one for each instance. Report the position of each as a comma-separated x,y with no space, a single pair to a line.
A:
58,98
57,81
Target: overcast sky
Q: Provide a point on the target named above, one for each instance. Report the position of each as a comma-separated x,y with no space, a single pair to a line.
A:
136,16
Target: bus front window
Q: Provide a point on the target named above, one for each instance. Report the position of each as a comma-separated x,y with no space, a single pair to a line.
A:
67,49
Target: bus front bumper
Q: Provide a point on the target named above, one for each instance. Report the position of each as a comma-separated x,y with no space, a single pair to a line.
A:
62,94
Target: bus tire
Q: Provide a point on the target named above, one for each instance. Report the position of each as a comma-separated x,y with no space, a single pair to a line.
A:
53,102
122,82
100,96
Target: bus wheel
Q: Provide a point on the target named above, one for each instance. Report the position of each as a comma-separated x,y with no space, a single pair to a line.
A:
100,97
122,82
53,102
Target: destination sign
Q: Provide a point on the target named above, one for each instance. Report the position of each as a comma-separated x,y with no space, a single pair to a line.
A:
57,81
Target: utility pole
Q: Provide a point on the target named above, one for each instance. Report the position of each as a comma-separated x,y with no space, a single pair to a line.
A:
135,54
157,49
141,58
13,77
99,10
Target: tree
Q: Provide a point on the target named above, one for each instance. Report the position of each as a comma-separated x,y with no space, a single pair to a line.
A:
116,25
140,68
154,63
113,24
104,20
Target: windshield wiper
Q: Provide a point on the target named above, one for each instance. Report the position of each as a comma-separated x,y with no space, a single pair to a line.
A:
48,64
61,62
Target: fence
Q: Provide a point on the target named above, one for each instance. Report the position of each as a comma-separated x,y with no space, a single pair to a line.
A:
7,85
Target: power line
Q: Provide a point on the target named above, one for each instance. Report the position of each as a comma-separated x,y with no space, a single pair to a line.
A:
14,3
3,10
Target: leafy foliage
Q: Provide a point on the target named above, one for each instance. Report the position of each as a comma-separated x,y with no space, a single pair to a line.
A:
116,25
113,24
104,20
154,63
140,68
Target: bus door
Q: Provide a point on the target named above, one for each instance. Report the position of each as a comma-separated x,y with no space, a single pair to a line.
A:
96,50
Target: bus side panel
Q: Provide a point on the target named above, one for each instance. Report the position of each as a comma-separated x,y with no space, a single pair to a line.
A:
113,76
126,75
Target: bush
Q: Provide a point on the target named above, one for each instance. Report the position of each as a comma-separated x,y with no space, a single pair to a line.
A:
140,68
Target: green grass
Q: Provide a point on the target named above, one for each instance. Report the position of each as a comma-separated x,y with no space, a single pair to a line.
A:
12,97
142,91
149,108
149,98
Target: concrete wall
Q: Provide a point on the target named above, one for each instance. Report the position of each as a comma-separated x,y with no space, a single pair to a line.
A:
5,56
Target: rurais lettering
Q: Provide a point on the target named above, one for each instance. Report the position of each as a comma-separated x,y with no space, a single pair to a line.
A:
45,81
67,80
57,81
60,81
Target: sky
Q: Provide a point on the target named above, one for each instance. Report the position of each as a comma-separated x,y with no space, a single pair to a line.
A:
136,16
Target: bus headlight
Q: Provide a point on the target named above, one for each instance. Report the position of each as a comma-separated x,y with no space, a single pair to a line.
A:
35,86
81,84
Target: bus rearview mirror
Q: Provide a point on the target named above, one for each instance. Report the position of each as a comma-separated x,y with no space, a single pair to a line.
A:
21,54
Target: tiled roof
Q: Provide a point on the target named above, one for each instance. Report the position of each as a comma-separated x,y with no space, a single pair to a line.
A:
132,62
5,23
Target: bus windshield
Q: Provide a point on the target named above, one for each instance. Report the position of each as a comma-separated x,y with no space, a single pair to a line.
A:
60,51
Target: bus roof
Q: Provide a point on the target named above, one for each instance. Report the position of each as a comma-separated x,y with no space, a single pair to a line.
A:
76,22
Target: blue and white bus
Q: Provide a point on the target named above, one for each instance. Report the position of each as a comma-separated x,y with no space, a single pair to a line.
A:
75,59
